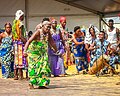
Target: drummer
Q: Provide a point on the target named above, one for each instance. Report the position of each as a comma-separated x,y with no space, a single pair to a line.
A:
100,45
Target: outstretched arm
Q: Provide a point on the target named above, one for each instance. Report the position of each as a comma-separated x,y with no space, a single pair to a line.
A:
76,42
61,38
23,39
87,46
0,38
93,46
52,43
118,35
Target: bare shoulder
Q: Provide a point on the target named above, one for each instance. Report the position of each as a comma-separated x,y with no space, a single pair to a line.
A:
2,34
117,30
73,36
37,32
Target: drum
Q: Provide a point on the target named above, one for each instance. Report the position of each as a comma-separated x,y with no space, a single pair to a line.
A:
99,64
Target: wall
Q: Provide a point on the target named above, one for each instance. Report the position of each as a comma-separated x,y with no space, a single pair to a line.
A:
38,9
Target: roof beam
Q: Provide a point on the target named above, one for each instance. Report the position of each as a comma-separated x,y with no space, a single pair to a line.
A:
80,6
115,12
71,0
117,2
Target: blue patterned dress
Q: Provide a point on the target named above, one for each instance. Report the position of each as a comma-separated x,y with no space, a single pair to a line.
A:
80,55
6,57
102,49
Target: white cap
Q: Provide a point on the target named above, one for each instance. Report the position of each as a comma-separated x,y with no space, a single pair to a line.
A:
18,14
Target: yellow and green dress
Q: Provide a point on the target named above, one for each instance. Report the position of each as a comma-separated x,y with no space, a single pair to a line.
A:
18,29
38,66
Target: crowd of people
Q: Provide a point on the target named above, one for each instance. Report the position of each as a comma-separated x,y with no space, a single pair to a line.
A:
51,49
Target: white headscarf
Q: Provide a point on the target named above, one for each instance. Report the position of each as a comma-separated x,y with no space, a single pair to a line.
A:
18,14
46,22
88,37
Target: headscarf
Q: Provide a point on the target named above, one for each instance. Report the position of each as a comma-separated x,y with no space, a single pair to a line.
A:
62,18
88,37
53,20
18,14
46,23
76,28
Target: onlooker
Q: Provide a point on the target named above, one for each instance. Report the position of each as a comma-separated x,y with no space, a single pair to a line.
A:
79,49
6,52
56,60
19,34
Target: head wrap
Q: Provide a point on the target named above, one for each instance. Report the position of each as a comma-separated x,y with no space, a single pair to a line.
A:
18,14
53,20
62,18
76,28
46,22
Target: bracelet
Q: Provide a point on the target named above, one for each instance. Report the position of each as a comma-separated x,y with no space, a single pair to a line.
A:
25,51
57,53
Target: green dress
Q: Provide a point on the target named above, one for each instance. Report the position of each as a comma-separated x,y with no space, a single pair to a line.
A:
39,68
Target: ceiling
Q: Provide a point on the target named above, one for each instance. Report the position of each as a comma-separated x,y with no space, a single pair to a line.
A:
100,7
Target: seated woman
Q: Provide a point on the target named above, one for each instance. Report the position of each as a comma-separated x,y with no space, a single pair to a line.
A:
101,47
88,43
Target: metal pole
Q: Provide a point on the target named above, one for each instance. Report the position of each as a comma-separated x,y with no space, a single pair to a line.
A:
100,23
105,22
26,14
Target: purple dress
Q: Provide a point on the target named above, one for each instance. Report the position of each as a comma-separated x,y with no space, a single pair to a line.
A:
56,61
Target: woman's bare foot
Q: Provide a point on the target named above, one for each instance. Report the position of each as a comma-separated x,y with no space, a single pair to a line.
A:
62,75
77,73
16,78
27,78
118,83
20,78
31,86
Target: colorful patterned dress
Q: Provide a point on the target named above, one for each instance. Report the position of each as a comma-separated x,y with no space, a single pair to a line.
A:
102,49
19,59
67,54
38,66
56,61
80,55
7,57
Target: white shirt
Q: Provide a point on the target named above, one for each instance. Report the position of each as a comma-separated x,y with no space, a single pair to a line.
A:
112,36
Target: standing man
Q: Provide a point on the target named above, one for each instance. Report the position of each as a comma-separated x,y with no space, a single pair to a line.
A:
18,34
101,47
112,34
114,39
